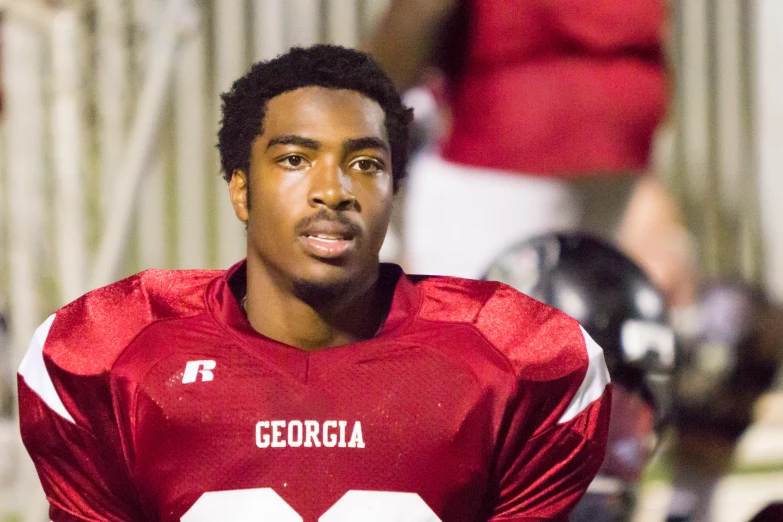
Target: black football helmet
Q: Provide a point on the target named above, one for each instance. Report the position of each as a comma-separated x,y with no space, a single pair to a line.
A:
610,296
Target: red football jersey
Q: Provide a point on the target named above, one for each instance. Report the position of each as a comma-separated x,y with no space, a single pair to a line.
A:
154,399
558,87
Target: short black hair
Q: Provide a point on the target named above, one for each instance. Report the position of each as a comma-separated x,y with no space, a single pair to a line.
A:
329,66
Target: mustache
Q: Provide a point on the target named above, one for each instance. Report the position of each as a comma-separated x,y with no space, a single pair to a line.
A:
325,215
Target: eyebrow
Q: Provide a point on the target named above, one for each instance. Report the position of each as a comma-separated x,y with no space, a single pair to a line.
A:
349,145
365,143
292,139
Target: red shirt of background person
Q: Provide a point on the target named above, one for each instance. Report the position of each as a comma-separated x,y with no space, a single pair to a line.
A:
539,87
310,382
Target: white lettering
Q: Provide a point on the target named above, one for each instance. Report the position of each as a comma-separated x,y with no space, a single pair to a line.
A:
194,368
357,441
295,440
262,440
330,439
311,434
342,433
277,431
308,434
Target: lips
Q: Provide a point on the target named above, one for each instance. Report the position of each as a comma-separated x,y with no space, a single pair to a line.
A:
328,239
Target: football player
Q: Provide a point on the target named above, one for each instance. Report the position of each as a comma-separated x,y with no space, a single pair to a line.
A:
621,309
309,382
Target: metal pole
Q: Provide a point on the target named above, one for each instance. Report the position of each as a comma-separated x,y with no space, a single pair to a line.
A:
230,40
140,143
678,185
151,212
343,22
728,100
113,94
67,141
304,26
192,145
769,132
24,127
694,110
269,28
711,210
752,253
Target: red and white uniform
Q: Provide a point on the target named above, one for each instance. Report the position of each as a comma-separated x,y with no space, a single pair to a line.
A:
553,109
154,399
559,87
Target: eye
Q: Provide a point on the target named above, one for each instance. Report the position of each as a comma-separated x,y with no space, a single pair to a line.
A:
367,166
292,162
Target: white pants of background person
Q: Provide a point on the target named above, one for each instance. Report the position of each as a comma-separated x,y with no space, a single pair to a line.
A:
458,218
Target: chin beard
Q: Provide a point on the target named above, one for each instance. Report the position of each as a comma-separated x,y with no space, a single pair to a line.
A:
318,294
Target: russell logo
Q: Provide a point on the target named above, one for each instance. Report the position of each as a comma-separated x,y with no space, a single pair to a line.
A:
195,368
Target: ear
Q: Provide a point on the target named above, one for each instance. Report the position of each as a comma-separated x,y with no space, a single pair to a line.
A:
237,191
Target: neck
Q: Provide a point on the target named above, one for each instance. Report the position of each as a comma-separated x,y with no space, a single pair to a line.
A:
276,311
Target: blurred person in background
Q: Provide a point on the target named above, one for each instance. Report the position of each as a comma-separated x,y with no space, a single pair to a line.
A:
731,346
549,109
731,352
620,307
551,106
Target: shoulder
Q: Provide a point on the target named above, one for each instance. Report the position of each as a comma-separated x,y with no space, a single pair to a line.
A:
541,343
87,335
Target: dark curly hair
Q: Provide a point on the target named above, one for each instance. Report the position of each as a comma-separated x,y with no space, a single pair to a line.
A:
329,66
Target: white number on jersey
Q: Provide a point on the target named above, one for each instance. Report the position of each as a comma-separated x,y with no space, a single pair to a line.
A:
379,506
263,504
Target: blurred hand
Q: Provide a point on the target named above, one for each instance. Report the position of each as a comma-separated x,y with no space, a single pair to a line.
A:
654,235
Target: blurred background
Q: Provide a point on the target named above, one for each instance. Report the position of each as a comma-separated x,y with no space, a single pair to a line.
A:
108,166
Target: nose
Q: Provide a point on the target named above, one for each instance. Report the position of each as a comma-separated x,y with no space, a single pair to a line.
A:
331,188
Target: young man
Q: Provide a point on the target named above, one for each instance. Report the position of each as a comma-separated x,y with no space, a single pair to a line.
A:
309,382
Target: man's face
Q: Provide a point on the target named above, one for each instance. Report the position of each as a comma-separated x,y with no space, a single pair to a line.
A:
320,189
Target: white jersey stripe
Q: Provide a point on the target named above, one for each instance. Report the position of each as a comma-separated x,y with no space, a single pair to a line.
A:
33,371
594,383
